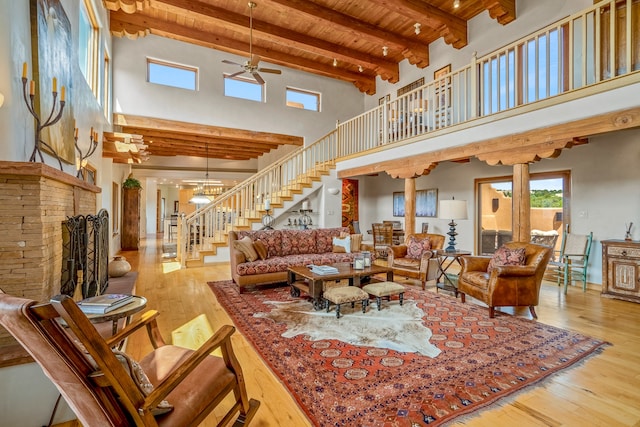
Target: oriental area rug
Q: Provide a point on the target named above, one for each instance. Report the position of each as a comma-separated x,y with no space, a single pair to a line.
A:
396,368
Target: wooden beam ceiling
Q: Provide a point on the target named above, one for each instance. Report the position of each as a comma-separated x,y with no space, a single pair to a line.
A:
174,138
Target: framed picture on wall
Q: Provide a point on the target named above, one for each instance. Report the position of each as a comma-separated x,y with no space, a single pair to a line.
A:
427,203
398,203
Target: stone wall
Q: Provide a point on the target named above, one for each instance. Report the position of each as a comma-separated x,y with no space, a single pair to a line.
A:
35,200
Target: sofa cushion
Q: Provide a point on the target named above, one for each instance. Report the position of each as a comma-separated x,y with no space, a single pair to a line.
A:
282,263
507,256
410,263
245,245
296,242
479,279
342,244
417,246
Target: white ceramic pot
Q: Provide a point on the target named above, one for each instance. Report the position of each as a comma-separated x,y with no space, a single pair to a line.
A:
119,267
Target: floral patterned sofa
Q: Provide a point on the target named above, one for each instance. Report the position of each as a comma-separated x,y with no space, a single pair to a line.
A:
285,248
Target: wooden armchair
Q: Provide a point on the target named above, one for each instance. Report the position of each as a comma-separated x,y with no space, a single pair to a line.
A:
425,268
96,384
505,285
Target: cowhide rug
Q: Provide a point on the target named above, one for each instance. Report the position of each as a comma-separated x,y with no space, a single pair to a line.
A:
395,327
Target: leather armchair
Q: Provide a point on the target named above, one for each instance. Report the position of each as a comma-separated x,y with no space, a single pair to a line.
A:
507,285
425,268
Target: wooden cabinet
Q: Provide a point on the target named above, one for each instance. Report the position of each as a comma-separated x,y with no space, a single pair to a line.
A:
130,218
621,269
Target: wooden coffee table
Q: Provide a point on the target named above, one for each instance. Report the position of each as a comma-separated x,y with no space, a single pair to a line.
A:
302,279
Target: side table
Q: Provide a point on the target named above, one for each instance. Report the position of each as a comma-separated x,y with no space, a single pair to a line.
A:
126,311
445,260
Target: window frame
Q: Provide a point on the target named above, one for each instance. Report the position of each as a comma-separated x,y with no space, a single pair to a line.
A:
90,69
317,95
173,65
243,79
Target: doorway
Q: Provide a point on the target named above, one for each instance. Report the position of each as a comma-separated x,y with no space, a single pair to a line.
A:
550,201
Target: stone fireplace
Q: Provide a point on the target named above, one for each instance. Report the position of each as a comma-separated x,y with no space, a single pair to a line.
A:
35,200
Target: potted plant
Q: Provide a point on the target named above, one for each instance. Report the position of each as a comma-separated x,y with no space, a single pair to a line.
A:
131,182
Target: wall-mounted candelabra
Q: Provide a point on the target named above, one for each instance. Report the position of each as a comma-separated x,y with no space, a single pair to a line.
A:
82,158
52,119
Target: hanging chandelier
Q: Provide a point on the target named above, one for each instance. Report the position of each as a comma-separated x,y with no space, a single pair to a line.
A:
204,194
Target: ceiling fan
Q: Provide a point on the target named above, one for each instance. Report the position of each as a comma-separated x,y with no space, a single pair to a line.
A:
251,65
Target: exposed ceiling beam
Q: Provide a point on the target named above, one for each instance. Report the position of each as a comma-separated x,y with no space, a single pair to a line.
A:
503,11
416,53
451,28
387,69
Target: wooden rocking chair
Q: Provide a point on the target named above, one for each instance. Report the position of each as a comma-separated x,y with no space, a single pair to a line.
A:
96,384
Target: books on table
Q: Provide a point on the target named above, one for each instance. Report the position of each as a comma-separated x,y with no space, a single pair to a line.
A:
323,269
104,303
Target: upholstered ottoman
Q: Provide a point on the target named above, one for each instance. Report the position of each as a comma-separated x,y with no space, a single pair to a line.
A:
345,294
384,289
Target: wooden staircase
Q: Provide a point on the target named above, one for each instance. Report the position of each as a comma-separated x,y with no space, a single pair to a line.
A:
252,218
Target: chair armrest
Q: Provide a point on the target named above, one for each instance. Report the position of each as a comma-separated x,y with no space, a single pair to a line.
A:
148,317
399,251
222,338
514,270
474,263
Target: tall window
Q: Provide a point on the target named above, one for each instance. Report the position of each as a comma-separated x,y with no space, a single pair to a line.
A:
106,86
299,98
550,201
172,74
535,70
88,47
242,87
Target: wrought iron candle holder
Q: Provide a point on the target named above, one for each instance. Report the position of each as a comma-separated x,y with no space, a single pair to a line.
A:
52,119
93,144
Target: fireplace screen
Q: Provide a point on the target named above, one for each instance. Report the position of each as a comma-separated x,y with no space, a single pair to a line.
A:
85,254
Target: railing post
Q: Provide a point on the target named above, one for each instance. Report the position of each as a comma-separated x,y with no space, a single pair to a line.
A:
474,95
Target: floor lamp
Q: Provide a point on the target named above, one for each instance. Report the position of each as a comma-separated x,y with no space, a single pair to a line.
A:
452,209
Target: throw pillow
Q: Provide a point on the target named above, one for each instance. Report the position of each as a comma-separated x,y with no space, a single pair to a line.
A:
261,249
139,377
342,245
137,374
506,256
416,247
245,245
356,240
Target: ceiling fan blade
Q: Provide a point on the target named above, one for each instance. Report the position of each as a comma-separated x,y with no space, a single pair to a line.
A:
269,70
253,61
236,74
257,77
226,61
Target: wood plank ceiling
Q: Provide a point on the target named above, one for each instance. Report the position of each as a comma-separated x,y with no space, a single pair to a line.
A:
363,38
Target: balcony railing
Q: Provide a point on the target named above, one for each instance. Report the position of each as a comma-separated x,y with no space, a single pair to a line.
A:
580,51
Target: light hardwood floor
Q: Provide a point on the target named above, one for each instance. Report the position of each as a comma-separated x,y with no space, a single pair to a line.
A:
603,391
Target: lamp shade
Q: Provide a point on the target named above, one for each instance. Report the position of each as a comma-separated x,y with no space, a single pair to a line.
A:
453,209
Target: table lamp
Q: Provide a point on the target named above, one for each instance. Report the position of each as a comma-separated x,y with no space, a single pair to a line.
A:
452,209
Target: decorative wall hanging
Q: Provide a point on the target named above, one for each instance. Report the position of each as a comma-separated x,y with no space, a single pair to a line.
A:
53,57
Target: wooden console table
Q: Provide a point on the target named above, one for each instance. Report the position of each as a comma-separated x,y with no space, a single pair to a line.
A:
621,269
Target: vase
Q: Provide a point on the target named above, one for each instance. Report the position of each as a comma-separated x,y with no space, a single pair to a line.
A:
119,267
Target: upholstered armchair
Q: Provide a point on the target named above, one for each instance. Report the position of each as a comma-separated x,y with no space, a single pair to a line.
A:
415,258
497,285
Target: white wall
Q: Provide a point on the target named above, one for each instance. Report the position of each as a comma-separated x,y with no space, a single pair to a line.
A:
208,105
605,183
